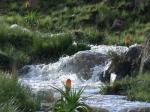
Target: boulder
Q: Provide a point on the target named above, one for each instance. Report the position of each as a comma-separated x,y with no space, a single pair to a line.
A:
86,60
127,63
134,52
117,25
83,63
134,57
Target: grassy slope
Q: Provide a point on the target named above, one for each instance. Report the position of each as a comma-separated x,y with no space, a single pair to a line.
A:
88,22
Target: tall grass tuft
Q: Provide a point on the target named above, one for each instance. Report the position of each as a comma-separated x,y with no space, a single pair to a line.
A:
11,89
9,106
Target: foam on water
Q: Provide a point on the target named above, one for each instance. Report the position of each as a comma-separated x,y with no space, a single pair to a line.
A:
113,103
104,49
43,76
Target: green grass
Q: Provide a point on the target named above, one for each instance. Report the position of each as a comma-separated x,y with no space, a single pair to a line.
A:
14,96
136,88
91,19
24,47
47,48
30,47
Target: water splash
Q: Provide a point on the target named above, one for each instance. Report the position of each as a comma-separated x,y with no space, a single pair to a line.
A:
39,77
43,76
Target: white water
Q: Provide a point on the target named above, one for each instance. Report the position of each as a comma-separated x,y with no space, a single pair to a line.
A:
42,77
114,103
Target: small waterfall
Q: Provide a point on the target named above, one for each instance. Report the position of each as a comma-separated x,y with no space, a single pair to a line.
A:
83,68
92,63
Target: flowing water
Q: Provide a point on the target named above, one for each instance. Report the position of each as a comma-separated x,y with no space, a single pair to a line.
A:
84,70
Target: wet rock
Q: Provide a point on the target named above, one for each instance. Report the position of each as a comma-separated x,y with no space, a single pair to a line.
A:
134,57
119,65
134,52
127,63
85,60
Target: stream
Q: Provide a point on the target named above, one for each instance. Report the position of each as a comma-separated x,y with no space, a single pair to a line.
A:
85,69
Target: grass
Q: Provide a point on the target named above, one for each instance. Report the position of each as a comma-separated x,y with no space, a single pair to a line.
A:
92,20
30,47
14,97
75,48
136,88
9,106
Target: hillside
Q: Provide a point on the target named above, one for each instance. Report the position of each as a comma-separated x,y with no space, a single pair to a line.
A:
85,22
99,50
